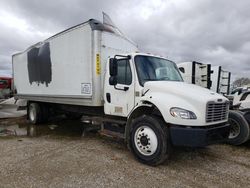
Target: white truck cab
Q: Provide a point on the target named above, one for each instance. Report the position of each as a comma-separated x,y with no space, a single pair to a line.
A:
141,86
91,70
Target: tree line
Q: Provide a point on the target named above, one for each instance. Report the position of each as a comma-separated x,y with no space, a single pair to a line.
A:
239,82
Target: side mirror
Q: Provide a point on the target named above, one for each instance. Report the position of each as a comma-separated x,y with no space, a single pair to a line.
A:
240,91
112,80
182,69
113,67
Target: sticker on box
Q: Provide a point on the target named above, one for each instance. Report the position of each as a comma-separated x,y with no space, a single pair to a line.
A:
86,88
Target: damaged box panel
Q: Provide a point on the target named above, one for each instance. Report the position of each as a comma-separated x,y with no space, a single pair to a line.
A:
68,68
39,64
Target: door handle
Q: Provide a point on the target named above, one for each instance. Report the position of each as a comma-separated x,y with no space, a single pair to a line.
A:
108,97
122,89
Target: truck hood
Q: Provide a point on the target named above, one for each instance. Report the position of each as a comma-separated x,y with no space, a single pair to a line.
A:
183,90
169,94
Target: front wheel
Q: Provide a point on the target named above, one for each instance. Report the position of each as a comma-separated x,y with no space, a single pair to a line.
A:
149,140
239,131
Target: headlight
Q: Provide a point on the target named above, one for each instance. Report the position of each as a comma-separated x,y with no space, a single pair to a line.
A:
182,113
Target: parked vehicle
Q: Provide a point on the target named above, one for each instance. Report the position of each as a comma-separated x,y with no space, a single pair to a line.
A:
90,70
241,98
239,116
196,73
5,87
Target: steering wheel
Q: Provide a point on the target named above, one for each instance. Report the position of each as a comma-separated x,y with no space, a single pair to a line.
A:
164,78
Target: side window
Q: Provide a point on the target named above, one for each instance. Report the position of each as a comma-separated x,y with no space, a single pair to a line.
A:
124,74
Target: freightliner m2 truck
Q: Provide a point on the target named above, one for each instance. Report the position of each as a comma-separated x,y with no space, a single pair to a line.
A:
92,71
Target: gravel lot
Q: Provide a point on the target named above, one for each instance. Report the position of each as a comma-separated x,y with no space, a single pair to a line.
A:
60,157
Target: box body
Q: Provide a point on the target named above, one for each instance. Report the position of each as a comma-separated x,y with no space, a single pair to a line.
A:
69,67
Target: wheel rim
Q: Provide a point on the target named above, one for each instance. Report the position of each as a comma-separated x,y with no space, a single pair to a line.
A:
234,130
32,113
145,140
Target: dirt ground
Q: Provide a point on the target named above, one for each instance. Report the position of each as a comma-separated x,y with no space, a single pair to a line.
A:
60,157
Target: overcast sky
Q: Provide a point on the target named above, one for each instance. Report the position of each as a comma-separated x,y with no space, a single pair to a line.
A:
208,31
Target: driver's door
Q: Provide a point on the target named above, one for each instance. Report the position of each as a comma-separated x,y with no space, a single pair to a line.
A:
119,99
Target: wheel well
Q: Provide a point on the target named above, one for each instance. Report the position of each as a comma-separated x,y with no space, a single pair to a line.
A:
146,109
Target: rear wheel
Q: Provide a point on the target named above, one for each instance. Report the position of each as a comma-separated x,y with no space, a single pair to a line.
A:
239,131
34,113
38,112
149,140
45,113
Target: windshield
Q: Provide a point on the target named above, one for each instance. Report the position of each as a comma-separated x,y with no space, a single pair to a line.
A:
154,69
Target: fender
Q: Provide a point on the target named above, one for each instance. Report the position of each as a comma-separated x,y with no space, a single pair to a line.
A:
144,107
165,101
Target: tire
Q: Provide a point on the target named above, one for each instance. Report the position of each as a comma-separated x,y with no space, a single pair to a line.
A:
246,115
239,131
149,140
44,113
34,113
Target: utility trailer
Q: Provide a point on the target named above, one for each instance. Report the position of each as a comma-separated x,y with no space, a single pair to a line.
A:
196,73
220,80
91,70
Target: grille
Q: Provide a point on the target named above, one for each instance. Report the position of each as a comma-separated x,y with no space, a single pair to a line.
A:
217,111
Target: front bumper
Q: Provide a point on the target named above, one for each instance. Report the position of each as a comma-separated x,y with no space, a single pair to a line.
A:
199,136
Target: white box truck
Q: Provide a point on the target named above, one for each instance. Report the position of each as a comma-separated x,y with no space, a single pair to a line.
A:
220,80
197,73
90,70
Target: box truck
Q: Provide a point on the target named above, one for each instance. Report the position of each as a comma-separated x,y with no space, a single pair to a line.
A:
92,71
197,73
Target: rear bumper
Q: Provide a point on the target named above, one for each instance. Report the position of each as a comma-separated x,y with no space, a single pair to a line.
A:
199,136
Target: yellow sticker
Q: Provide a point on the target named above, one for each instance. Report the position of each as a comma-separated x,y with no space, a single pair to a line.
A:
98,64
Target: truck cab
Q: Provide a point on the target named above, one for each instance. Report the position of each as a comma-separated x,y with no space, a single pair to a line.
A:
161,109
